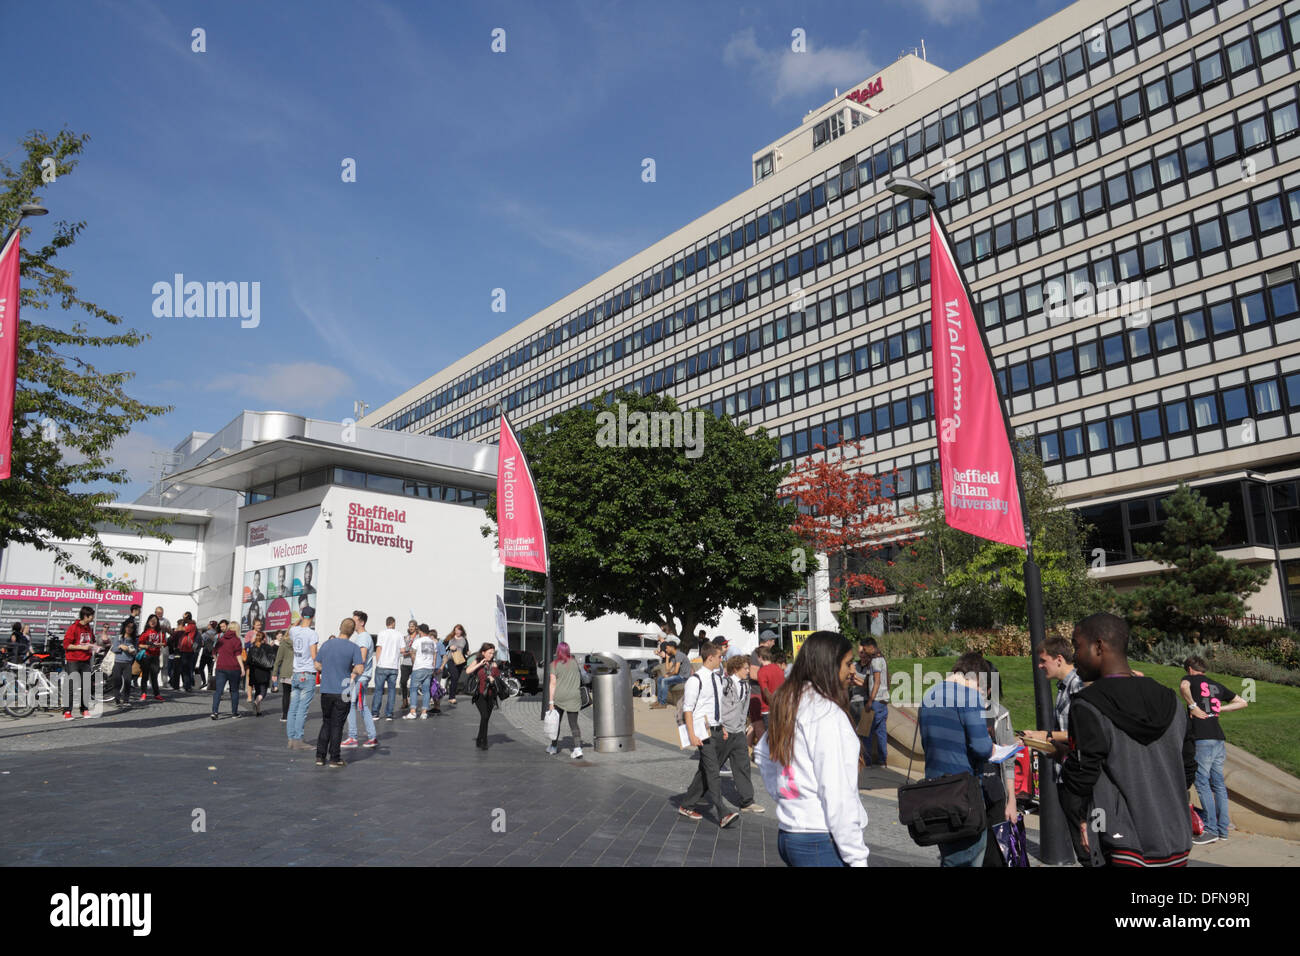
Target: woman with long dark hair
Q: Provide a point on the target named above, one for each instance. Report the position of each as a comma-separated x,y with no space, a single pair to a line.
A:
152,642
457,653
566,697
260,659
485,693
809,759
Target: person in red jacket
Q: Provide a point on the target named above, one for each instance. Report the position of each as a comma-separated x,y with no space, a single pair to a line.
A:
152,642
189,648
78,646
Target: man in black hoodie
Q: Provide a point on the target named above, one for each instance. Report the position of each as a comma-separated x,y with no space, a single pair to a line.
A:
1132,757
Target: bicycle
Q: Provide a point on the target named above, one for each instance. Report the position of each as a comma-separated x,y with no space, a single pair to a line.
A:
24,688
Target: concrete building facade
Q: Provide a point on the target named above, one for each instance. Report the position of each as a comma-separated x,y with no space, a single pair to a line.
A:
1122,186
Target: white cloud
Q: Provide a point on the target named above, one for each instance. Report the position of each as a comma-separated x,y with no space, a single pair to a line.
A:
134,454
786,73
946,12
293,386
601,250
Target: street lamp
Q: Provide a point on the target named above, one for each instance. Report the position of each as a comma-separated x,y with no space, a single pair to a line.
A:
1056,845
25,210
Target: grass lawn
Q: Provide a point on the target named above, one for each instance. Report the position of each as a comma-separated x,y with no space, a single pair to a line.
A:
1267,728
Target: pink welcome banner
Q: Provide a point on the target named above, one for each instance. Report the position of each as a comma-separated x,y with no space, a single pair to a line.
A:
520,530
980,494
9,272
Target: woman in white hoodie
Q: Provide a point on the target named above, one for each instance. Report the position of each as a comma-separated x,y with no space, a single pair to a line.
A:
809,759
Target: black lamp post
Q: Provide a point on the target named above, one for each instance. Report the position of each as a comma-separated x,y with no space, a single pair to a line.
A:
1056,847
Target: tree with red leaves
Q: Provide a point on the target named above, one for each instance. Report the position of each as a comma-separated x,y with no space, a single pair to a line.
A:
844,513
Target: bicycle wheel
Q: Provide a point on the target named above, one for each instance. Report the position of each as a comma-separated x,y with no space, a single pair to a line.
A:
13,691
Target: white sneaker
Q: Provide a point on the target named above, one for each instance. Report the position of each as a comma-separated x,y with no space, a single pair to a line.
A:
577,753
551,749
410,716
424,715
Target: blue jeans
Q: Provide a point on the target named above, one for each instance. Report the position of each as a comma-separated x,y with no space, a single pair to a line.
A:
879,732
963,852
220,680
304,689
420,688
385,676
1210,786
667,682
808,849
360,701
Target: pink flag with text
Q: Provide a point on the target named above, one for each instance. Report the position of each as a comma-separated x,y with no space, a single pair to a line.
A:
520,530
980,494
9,273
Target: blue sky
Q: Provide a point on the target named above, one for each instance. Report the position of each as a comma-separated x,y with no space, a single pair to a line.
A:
474,170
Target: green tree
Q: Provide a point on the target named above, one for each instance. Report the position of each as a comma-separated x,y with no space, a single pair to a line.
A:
654,533
68,412
1203,590
949,579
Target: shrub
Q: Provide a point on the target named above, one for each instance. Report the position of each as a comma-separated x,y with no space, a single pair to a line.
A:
1173,653
1227,660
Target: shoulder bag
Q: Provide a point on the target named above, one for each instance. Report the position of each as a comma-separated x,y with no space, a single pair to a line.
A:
942,810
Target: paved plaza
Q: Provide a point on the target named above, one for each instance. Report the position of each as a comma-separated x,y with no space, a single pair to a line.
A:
163,785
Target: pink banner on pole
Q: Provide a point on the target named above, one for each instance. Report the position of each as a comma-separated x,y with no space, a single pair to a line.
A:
9,273
520,530
980,494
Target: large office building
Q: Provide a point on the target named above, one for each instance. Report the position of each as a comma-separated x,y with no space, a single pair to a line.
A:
1122,186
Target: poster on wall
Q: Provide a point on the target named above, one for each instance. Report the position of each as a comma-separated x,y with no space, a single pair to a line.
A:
279,595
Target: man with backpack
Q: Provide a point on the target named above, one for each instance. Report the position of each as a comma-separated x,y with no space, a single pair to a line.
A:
1132,757
702,717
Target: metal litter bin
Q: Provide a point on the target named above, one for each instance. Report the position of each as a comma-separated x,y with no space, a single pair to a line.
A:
611,690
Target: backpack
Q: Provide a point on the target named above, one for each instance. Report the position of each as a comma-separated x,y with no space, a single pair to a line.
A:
187,644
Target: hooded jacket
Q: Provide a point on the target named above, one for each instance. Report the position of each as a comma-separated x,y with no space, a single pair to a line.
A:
818,791
1132,759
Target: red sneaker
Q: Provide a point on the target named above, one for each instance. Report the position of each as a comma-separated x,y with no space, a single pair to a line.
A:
67,715
144,697
158,697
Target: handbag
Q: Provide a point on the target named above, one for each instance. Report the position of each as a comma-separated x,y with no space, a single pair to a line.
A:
551,724
106,666
458,658
135,668
585,693
943,809
1011,841
500,688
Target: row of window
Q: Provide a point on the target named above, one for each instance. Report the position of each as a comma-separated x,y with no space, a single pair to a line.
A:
1271,42
388,484
1216,410
1117,190
1240,225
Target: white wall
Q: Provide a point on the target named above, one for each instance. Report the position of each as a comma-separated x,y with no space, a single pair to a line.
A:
601,634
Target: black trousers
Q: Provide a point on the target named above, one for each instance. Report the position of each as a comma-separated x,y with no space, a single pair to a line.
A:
573,729
149,673
707,780
735,750
205,667
121,681
334,713
453,679
174,671
404,685
187,669
484,705
286,687
77,679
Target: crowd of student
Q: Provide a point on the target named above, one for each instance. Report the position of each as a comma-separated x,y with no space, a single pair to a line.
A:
1124,749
